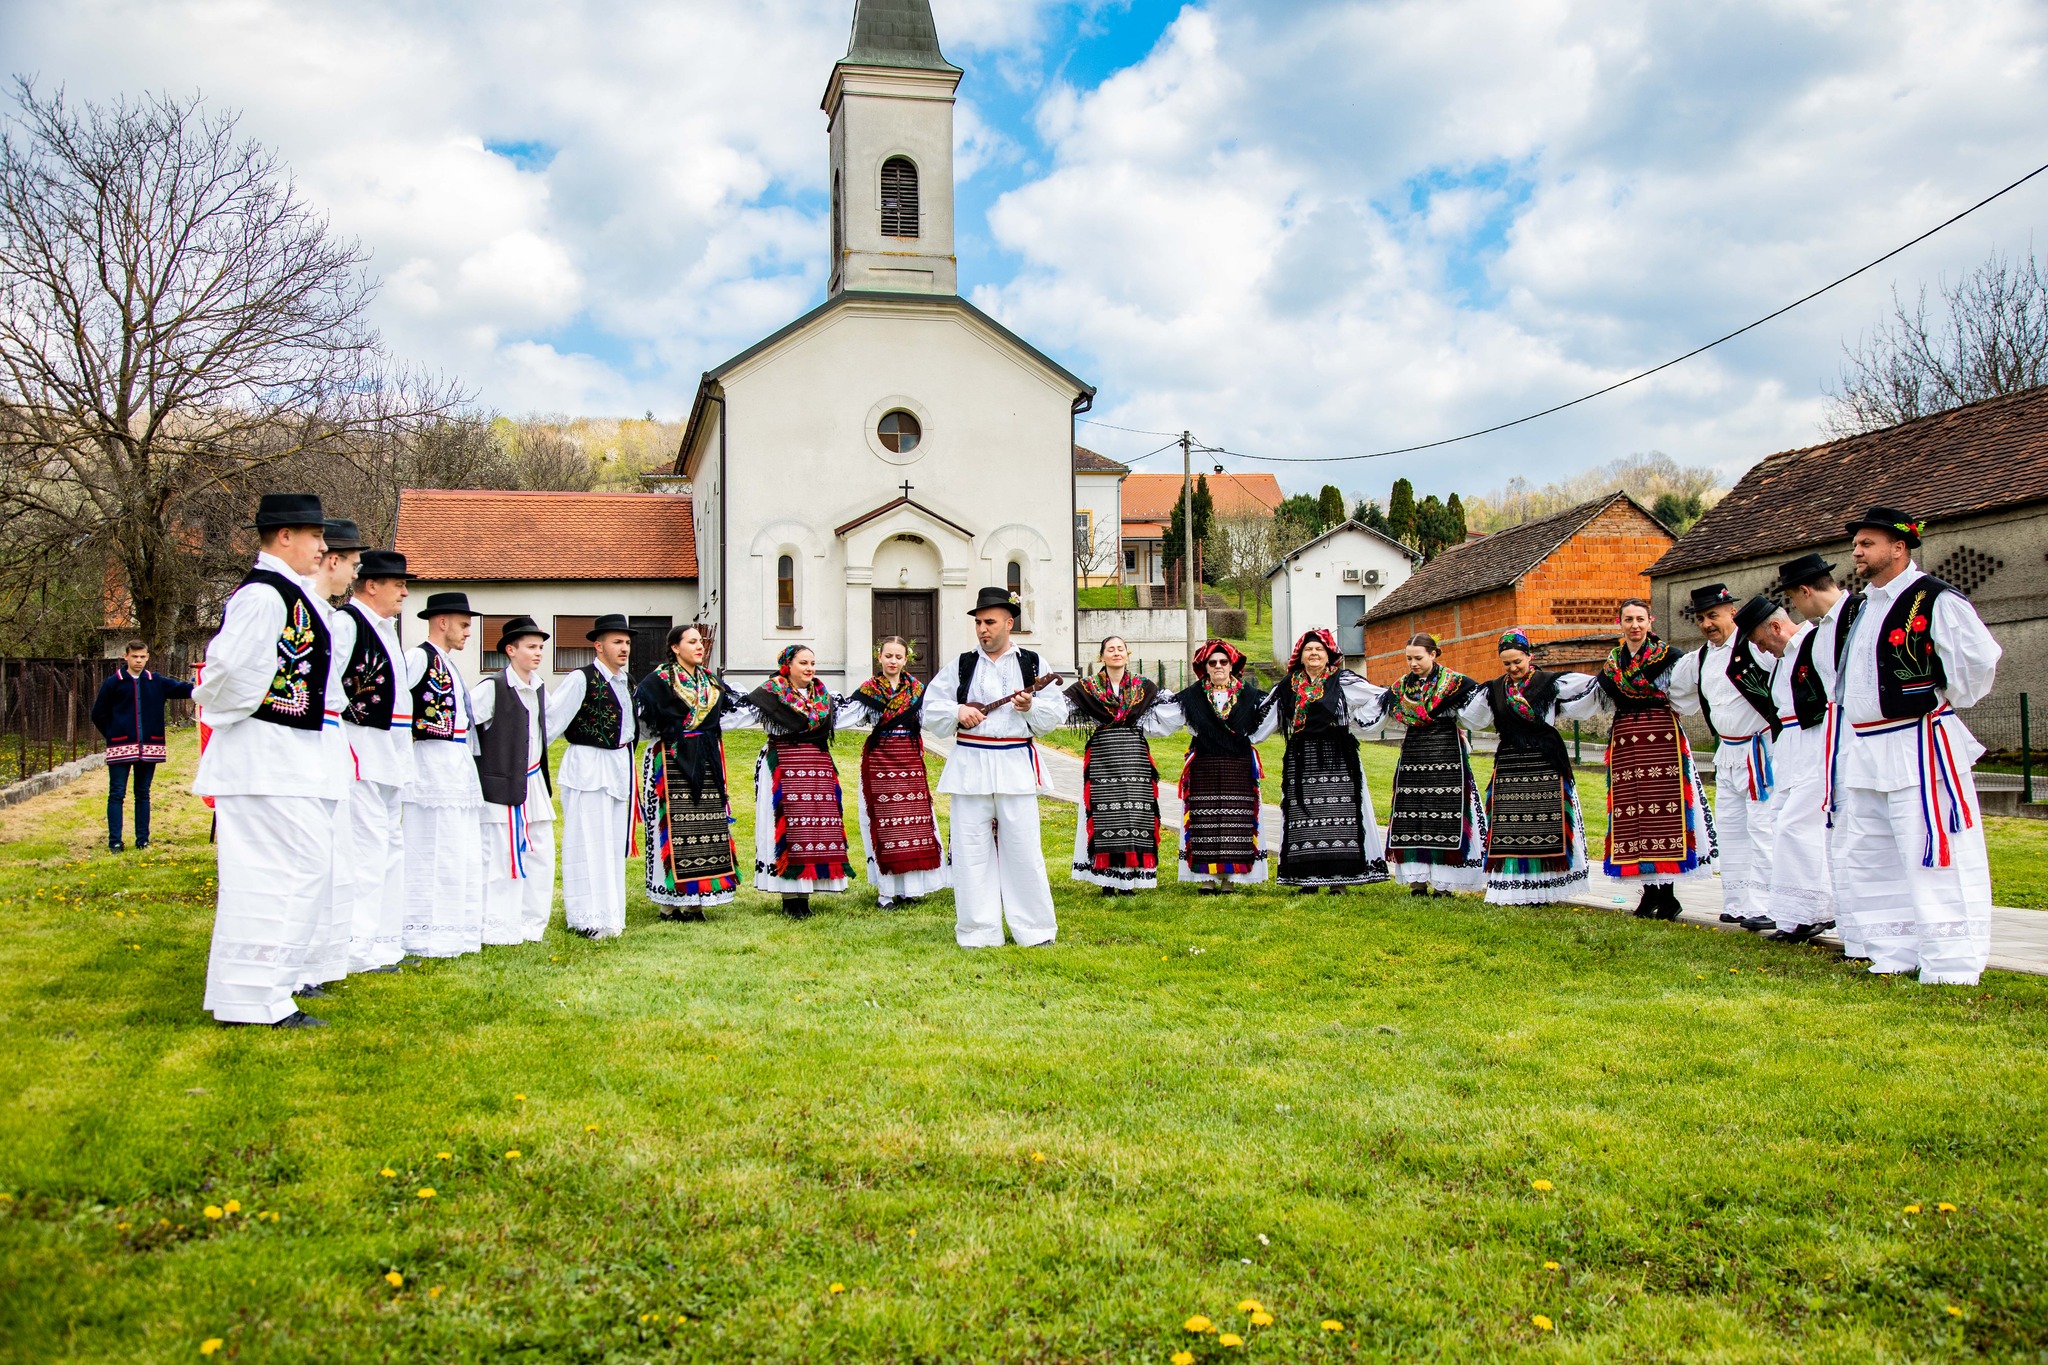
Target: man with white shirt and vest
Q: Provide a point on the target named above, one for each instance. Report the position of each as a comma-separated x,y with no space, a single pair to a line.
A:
327,954
511,709
593,707
376,719
1723,681
989,702
444,855
1801,897
1913,880
264,694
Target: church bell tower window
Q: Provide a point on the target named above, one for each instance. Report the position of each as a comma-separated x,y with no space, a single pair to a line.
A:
899,197
785,592
899,432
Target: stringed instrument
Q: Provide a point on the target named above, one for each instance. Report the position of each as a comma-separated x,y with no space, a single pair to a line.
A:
1038,685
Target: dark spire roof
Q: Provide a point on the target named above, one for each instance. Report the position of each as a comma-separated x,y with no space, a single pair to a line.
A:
895,33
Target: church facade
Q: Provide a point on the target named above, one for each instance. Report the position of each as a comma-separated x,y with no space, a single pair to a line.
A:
868,468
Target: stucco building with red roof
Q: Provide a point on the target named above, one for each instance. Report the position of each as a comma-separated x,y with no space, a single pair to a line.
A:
562,558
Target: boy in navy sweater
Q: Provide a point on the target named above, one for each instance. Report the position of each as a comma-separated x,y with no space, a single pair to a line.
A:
129,712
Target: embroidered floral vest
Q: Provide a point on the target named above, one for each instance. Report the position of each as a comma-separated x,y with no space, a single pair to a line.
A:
596,722
369,682
435,714
1910,678
297,698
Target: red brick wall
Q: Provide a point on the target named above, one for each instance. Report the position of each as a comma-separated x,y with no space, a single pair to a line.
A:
1573,593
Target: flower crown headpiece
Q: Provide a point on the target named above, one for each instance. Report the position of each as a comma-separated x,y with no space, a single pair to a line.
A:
1514,639
909,652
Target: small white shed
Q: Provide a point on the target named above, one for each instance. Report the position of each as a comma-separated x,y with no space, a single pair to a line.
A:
1333,581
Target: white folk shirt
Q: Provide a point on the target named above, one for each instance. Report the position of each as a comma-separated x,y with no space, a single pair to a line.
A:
249,757
385,756
584,768
483,701
977,771
1969,657
444,771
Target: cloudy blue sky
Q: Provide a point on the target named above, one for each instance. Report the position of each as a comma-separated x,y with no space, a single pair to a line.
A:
1312,228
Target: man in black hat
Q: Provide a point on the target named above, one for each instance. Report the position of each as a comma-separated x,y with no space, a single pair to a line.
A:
593,706
444,802
993,775
511,708
1726,682
265,695
327,954
1914,881
376,720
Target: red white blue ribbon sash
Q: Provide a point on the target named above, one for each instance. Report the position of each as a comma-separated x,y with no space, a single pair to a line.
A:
1941,781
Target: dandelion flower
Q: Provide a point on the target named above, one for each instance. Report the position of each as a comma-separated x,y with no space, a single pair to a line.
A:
121,1227
393,1278
1251,1306
1198,1323
589,1127
837,1288
1262,1318
1550,1265
212,1211
1038,1156
1911,1208
233,1206
387,1173
1954,1311
1332,1325
210,1345
644,1317
443,1156
1183,1358
1541,1185
519,1097
426,1191
5,1197
512,1155
1944,1208
435,1292
1230,1339
1542,1323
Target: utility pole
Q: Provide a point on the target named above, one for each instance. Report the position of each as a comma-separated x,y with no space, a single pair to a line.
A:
1187,535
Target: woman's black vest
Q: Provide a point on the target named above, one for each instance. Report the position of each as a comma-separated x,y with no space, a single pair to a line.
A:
297,698
1324,713
910,722
502,756
1530,736
1221,736
369,682
599,720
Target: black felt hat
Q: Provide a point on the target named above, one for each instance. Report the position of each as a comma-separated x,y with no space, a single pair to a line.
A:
998,597
518,628
383,564
1754,613
446,604
1711,596
274,510
1892,520
1801,571
342,535
607,625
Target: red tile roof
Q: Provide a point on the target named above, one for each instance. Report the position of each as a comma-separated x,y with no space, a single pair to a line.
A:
466,535
1957,463
1150,497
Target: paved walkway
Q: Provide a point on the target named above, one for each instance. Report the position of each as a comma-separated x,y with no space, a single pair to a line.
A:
2019,938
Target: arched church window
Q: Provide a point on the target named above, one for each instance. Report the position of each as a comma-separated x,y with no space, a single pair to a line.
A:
1014,580
899,197
785,592
899,432
838,227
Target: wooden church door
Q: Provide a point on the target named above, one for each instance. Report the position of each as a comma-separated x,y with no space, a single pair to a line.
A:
914,616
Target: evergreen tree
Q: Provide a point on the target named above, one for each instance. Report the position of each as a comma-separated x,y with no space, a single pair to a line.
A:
1456,509
1368,513
1305,511
1401,512
1431,524
1331,503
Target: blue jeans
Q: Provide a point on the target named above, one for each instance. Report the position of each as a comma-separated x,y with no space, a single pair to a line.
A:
117,788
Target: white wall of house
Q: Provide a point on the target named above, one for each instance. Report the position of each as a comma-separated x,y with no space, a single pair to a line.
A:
544,600
1332,581
1098,502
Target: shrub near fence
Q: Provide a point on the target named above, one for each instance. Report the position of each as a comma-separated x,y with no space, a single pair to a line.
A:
46,712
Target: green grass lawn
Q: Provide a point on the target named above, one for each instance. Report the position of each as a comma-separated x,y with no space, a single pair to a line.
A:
1440,1125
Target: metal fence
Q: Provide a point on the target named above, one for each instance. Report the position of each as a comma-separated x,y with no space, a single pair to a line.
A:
46,712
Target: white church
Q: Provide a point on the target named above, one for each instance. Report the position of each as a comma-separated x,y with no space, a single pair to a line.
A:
868,468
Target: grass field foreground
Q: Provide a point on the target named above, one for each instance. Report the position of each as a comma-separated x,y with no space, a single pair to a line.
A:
1444,1128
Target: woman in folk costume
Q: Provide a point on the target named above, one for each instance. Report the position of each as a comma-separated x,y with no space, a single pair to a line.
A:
1535,832
1330,838
1436,831
1116,839
1660,826
906,857
799,811
683,706
1220,843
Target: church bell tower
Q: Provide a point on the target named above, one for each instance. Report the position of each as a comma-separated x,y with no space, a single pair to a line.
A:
890,106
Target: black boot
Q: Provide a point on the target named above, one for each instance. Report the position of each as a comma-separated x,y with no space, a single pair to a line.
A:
1651,902
797,907
1668,907
1418,889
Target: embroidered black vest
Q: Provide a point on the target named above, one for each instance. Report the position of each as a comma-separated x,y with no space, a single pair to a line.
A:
1809,692
435,714
370,681
1910,678
297,698
1851,609
1750,679
502,752
596,724
1027,662
1221,736
1532,736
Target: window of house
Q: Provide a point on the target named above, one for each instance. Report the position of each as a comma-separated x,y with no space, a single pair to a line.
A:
899,197
785,592
899,432
1130,561
1084,532
572,651
491,627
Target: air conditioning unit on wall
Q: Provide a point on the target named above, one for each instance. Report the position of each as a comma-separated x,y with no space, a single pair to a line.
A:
1351,575
1372,578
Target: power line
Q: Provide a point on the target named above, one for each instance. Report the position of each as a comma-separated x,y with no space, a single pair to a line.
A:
1135,431
1645,374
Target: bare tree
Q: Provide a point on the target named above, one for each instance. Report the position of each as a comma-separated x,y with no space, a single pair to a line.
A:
1244,548
1993,340
1646,476
174,322
1096,555
546,456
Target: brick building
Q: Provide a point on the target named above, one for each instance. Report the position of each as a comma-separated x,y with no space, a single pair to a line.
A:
1560,578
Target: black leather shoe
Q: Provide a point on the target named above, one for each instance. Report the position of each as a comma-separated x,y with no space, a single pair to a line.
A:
299,1019
390,969
1727,918
1756,924
1419,889
309,991
671,914
693,915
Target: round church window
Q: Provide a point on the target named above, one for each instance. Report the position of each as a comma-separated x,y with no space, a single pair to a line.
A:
899,432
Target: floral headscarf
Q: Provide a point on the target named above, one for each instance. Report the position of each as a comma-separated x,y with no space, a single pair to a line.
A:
1328,639
811,701
1223,647
1515,639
